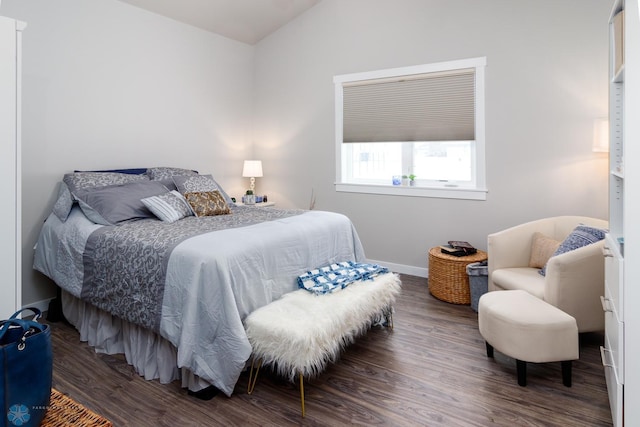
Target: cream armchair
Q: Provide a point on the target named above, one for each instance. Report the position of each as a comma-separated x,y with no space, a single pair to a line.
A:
574,280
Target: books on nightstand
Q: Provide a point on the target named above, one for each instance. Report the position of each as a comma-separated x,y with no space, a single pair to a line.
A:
458,248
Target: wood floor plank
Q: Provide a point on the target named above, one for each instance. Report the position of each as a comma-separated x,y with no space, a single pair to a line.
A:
431,369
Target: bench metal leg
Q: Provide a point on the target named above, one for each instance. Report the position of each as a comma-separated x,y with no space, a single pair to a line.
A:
302,393
253,375
388,317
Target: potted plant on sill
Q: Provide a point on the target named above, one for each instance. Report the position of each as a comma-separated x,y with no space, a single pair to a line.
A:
412,180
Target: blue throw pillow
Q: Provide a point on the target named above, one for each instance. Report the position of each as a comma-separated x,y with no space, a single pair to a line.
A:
582,235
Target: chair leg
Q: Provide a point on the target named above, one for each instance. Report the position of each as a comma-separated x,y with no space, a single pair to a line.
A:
253,376
566,372
522,372
489,350
302,393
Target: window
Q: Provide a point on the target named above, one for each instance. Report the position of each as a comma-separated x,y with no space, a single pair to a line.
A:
426,121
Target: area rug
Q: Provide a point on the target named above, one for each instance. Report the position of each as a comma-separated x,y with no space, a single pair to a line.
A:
66,412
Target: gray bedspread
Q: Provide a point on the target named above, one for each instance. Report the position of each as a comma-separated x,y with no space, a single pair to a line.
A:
194,281
125,266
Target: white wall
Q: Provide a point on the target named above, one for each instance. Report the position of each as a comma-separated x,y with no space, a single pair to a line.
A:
108,85
546,81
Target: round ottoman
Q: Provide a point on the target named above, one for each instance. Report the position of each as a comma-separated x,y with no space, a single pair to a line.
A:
528,329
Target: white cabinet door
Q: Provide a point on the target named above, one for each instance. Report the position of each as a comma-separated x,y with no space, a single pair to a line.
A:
10,241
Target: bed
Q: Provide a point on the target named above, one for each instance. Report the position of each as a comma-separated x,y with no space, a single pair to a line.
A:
161,265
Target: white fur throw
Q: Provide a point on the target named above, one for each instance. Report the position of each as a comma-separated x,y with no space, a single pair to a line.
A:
302,332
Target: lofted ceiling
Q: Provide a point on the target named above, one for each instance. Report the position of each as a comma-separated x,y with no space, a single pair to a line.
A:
248,21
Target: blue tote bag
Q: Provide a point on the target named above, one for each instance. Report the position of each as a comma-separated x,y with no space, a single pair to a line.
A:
26,365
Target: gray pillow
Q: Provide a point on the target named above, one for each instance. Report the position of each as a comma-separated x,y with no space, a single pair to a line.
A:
169,184
160,173
64,203
114,204
82,180
199,184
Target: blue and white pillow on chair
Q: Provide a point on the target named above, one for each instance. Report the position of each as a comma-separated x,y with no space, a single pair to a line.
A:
582,235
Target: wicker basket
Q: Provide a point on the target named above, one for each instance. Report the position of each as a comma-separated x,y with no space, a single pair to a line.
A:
448,278
65,412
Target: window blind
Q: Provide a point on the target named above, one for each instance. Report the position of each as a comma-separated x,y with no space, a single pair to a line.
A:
437,106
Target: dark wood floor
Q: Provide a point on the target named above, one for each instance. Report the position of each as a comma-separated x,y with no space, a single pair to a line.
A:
430,370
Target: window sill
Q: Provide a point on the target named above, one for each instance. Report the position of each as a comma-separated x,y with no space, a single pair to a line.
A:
432,192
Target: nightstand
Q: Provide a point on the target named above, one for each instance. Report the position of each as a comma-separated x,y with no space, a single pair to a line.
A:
448,278
258,205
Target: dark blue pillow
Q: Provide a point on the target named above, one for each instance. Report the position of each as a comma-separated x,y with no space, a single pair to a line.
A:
136,171
582,235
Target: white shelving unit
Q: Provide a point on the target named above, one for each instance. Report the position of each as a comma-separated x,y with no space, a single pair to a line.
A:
621,349
10,170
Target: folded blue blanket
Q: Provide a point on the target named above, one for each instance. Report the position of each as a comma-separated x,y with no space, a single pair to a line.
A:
338,276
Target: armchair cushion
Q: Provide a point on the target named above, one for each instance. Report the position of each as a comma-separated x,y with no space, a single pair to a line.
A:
524,278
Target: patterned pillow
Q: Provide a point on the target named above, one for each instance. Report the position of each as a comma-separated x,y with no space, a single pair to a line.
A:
64,203
160,173
168,207
582,235
207,203
82,180
189,184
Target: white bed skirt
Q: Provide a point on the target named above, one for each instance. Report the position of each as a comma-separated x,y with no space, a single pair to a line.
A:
152,356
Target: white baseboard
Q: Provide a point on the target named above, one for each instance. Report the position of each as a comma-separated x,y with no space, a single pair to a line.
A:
40,305
403,269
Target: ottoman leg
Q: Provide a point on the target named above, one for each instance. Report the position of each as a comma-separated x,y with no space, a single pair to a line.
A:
566,372
489,349
522,372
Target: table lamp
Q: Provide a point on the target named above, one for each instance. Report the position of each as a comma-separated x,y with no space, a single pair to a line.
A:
252,169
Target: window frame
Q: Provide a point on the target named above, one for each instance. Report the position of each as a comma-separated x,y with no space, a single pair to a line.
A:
443,190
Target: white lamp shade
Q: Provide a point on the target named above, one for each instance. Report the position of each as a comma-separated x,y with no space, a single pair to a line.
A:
601,136
252,169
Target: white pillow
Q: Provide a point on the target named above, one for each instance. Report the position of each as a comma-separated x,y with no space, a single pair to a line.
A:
169,207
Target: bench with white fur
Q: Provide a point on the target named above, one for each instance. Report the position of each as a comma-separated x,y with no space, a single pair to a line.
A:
300,333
